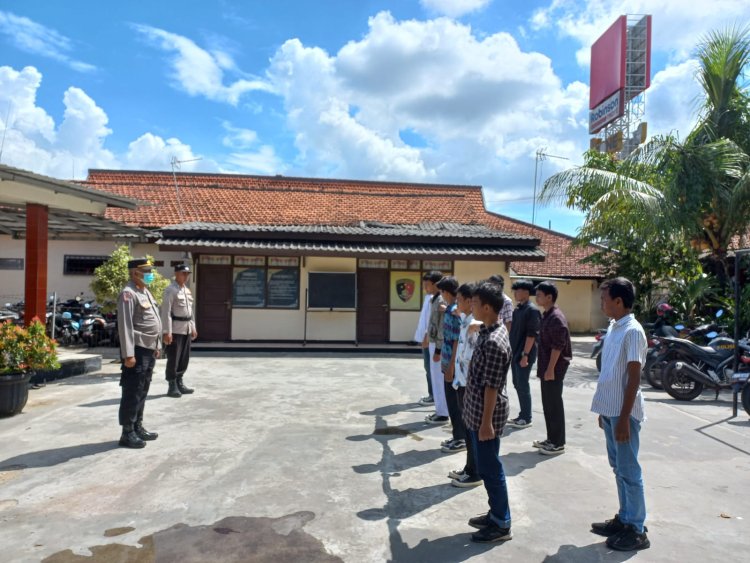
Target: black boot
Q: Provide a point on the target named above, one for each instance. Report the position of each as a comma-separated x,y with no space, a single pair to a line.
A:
130,439
181,386
144,434
174,391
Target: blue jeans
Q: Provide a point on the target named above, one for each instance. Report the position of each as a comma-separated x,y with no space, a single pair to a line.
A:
490,469
426,359
623,458
523,389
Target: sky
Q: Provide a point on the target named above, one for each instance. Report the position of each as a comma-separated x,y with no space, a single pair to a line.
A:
439,91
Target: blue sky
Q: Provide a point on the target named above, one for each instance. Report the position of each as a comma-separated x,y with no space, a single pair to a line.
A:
449,91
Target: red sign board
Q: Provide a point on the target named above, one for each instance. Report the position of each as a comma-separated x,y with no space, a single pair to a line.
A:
608,62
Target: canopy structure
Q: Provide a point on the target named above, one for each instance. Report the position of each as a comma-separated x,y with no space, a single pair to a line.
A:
38,208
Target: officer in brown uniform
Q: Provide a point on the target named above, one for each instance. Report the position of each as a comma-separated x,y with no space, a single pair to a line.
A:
179,329
139,327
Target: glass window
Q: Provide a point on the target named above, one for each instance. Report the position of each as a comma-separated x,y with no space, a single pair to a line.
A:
82,265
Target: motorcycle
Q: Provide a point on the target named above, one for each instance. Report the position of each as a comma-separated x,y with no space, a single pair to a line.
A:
741,381
596,352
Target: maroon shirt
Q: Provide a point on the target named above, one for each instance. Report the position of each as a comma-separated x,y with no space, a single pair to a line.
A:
554,334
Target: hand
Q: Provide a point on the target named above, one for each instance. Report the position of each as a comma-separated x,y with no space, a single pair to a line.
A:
129,362
599,420
425,342
549,375
157,353
486,432
524,363
194,334
448,375
622,430
167,339
436,358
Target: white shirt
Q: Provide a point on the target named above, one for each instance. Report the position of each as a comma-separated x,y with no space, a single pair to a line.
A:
424,320
466,344
625,342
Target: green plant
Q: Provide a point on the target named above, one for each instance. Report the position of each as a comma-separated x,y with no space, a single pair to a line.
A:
112,276
26,349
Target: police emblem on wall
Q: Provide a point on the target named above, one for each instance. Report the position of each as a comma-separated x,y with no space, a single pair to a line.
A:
405,289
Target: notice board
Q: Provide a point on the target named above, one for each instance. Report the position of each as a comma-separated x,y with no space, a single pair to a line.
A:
332,290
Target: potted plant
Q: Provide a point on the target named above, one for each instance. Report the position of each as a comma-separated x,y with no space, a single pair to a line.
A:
22,352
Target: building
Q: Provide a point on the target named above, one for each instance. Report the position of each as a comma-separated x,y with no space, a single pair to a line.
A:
282,258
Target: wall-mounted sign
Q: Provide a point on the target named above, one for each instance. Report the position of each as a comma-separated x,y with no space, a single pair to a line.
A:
283,288
249,260
249,288
216,259
405,291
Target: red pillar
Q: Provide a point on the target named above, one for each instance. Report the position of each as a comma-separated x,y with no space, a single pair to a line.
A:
36,262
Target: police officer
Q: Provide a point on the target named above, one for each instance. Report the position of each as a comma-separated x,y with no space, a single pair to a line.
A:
139,327
179,329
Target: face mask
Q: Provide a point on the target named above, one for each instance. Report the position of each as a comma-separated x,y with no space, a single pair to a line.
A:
148,278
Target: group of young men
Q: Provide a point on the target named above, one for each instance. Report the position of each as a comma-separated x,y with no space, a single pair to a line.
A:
472,336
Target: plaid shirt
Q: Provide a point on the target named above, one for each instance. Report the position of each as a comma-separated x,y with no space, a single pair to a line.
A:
451,332
506,312
489,368
554,335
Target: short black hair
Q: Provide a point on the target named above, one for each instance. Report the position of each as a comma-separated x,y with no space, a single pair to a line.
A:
498,279
622,288
449,284
548,288
528,285
490,294
466,290
434,276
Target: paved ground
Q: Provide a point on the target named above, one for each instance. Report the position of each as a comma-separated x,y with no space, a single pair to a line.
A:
325,458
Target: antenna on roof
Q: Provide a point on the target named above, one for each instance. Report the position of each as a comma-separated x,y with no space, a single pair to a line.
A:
176,165
5,129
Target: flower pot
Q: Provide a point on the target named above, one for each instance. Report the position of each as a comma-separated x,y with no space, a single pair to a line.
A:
14,392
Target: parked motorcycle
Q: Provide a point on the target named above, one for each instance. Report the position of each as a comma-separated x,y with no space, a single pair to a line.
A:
596,352
741,381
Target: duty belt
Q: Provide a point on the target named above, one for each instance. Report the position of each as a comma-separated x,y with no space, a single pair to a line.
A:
186,319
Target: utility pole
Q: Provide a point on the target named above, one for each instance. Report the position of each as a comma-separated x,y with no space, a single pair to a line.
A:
541,156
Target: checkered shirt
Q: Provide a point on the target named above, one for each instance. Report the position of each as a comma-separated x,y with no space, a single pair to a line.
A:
489,368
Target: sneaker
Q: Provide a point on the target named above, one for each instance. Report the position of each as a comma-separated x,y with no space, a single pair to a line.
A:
629,540
427,400
447,442
608,527
518,423
456,473
454,447
466,481
435,419
480,522
538,444
492,533
551,449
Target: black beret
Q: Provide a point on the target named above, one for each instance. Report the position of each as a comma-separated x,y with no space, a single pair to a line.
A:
182,268
142,263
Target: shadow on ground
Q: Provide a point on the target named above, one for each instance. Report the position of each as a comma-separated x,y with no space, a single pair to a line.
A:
55,456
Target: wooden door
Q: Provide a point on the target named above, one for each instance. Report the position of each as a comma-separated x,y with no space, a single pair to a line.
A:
214,305
372,306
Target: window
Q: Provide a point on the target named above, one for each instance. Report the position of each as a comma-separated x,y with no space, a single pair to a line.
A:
11,263
262,283
82,265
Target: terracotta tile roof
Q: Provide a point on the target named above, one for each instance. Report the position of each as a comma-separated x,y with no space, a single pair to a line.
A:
281,200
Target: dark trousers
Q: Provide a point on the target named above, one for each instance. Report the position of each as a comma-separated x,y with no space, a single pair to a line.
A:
426,359
178,356
454,412
523,389
554,412
471,467
490,469
135,383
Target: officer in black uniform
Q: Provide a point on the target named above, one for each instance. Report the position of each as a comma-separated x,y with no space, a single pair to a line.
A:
179,330
139,327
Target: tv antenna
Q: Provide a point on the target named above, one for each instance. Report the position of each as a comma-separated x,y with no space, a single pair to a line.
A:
5,129
175,166
541,156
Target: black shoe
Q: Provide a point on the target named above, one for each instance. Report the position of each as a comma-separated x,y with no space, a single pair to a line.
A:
130,439
173,391
629,540
608,527
492,533
144,434
183,389
480,522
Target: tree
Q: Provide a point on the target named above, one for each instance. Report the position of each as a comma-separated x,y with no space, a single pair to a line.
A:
112,276
694,193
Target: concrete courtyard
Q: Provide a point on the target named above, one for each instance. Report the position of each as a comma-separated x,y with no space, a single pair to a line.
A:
315,457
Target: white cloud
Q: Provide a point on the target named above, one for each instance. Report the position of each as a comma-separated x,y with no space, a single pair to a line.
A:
199,72
34,38
151,152
674,100
237,137
482,106
264,161
454,8
677,24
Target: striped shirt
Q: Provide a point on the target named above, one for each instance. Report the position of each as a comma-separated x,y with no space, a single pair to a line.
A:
625,342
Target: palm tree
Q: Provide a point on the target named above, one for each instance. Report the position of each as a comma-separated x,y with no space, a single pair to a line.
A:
697,191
